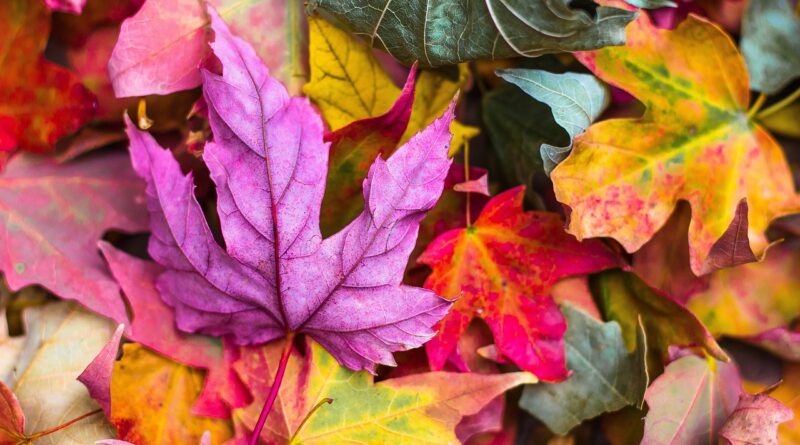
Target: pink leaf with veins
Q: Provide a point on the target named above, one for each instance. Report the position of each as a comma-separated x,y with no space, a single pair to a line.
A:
277,275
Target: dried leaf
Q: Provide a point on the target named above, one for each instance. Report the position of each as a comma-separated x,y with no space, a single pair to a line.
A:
755,421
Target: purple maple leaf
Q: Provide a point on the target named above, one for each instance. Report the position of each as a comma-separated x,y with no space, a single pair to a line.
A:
277,275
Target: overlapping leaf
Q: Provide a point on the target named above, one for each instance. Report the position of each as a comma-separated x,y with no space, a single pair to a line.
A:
755,420
52,216
151,400
62,340
753,298
454,31
770,44
500,269
152,326
348,84
278,274
605,375
575,101
41,101
690,402
419,408
626,299
695,142
160,49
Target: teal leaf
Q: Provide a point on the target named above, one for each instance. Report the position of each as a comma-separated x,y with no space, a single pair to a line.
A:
576,100
447,32
606,377
652,4
771,44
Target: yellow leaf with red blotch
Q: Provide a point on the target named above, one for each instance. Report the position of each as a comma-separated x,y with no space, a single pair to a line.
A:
152,398
414,409
752,298
696,142
348,83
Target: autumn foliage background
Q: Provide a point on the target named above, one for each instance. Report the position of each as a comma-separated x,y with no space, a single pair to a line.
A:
364,221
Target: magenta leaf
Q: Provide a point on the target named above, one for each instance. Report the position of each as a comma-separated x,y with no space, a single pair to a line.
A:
137,278
277,275
97,376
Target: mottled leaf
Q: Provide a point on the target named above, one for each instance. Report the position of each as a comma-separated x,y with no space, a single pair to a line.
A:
752,298
695,142
605,376
623,297
419,408
52,216
770,44
160,48
501,269
453,31
755,421
690,402
41,101
62,340
575,101
151,400
277,274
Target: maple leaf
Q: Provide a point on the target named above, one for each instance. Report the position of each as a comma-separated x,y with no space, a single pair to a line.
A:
500,269
695,142
161,47
52,216
690,402
41,101
752,298
418,408
151,400
137,278
278,275
755,421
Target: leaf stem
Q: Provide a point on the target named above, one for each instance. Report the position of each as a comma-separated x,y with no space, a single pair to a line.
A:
319,404
273,392
466,179
756,105
62,426
778,106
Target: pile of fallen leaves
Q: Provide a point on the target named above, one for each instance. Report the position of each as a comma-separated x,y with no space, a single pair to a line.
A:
505,222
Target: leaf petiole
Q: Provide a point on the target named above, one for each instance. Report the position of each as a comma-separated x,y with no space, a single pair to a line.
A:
273,392
756,106
326,400
780,105
61,427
